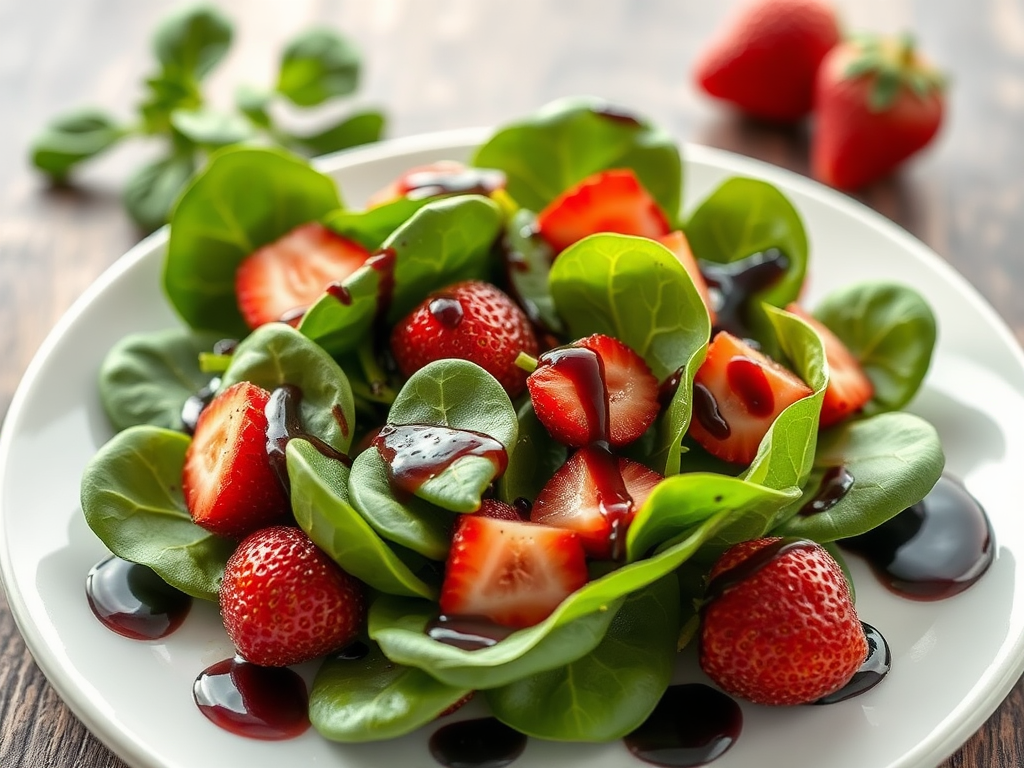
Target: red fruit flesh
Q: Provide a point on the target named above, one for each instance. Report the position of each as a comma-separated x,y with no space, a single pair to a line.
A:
229,484
779,626
498,510
473,321
513,573
680,247
610,201
738,394
849,389
766,60
579,404
580,495
281,279
444,177
284,601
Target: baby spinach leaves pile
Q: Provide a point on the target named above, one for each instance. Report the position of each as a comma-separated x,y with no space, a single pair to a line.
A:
597,666
318,66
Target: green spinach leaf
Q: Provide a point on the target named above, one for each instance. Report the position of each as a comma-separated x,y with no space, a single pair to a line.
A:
152,189
529,267
71,138
535,457
318,65
190,42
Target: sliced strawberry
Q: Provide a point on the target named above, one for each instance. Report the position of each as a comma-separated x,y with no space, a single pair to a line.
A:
677,243
281,279
513,573
849,389
610,201
498,510
229,484
445,177
586,495
569,399
737,394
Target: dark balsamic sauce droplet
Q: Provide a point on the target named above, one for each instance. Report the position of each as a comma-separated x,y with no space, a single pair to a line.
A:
414,453
447,310
133,601
737,282
835,484
193,407
482,743
269,703
225,346
354,651
339,293
692,725
706,411
383,262
932,550
470,633
464,181
872,671
745,569
750,383
284,422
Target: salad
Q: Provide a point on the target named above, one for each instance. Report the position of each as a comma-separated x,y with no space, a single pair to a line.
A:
522,407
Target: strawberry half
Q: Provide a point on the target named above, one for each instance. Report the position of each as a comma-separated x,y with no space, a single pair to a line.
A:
445,177
614,398
280,280
284,601
677,243
596,495
513,573
471,320
849,389
738,392
229,484
778,625
609,201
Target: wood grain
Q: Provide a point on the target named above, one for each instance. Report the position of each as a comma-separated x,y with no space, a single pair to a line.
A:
435,65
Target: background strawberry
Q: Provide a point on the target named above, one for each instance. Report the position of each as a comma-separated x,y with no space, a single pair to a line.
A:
471,320
877,103
284,601
779,625
765,62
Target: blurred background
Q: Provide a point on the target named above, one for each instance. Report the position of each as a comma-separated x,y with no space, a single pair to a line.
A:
432,65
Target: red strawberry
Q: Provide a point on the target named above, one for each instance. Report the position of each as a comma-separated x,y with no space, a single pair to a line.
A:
281,279
471,320
513,573
444,177
609,201
569,399
680,246
778,624
737,394
849,389
766,60
498,510
284,601
877,103
582,497
229,484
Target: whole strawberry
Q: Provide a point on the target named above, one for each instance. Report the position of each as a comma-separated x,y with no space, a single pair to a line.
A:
766,60
284,601
778,624
471,320
876,103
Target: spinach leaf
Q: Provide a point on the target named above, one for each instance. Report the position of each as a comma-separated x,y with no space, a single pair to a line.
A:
322,508
634,289
743,217
372,226
211,128
132,500
404,519
443,242
318,65
894,459
529,267
575,627
350,131
891,330
372,698
71,138
245,198
571,139
190,42
535,457
667,451
146,378
152,189
607,693
276,354
461,395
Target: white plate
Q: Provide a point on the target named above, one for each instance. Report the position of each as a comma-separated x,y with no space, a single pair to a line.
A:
953,660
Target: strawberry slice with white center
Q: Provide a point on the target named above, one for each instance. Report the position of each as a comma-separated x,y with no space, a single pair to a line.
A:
596,495
609,201
680,247
849,389
513,573
282,279
571,404
229,484
738,393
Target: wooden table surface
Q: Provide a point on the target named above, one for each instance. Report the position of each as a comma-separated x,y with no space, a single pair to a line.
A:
434,65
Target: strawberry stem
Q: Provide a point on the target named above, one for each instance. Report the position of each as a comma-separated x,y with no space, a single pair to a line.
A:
526,362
